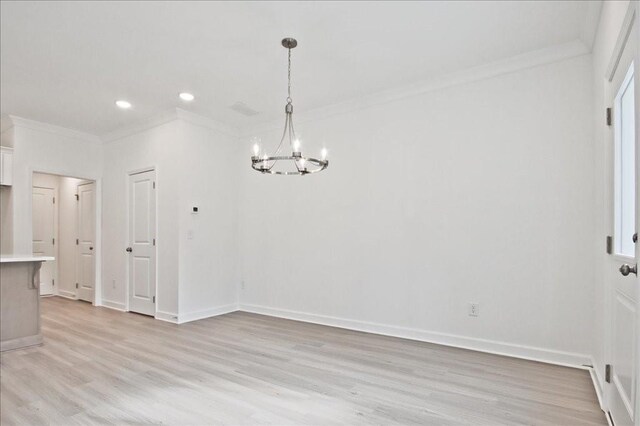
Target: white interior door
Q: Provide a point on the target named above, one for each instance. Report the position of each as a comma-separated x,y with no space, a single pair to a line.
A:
623,317
142,250
44,235
86,271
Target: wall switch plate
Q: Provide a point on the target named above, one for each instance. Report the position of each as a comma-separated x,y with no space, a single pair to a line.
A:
190,234
474,309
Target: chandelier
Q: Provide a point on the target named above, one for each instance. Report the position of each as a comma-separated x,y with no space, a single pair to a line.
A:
279,163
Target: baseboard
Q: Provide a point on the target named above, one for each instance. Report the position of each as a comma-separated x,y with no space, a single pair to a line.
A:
212,312
113,305
67,294
597,385
167,317
21,342
549,356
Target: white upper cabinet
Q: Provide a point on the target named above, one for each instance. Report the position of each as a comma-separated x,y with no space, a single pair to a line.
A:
6,166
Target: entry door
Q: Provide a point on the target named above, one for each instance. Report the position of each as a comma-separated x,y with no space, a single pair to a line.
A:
44,234
623,284
142,250
86,241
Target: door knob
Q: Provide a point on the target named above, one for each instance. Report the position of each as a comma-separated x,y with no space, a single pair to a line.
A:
90,248
129,249
626,269
635,238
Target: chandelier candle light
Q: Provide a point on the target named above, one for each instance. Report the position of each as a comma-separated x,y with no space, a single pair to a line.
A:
296,163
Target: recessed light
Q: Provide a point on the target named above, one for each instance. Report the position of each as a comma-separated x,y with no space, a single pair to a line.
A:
123,104
187,96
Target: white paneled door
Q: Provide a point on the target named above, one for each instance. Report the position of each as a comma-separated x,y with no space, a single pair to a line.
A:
142,242
44,235
623,359
86,264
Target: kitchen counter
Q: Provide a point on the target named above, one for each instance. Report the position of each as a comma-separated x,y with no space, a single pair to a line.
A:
12,259
20,301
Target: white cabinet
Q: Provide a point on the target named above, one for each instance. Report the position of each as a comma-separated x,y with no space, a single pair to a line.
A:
6,165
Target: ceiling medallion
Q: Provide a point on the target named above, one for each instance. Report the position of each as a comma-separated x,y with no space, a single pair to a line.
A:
279,163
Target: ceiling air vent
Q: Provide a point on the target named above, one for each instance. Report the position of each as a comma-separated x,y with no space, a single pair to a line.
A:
242,108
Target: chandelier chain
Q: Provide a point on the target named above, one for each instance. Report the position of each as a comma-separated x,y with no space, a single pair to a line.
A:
289,79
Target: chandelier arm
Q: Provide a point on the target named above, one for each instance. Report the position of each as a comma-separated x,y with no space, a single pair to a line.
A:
295,162
284,133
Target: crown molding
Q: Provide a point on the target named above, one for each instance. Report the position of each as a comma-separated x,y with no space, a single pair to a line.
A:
207,122
5,123
13,121
590,24
149,123
167,117
524,61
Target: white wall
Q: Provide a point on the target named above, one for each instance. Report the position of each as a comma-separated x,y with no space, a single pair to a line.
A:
611,18
43,148
209,180
476,193
196,165
158,147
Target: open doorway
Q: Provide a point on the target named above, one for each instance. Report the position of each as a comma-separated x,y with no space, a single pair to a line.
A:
64,224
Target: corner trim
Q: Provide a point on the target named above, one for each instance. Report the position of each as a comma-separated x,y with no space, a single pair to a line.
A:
167,317
67,294
549,356
597,384
621,41
207,313
113,305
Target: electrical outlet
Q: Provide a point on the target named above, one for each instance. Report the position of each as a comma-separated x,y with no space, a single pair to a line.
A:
242,286
474,309
113,283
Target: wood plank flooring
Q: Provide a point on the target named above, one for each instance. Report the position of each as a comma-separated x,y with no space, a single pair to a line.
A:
100,366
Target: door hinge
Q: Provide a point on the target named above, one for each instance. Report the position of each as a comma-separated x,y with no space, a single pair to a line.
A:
77,241
53,241
154,185
53,282
154,241
54,200
609,244
608,116
154,299
76,285
607,373
77,197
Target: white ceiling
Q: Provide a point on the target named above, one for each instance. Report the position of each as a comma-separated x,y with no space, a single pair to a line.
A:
67,62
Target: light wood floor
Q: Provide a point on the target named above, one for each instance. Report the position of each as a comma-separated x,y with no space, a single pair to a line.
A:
99,366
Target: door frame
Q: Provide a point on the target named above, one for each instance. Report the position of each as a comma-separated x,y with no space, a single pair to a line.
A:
128,229
56,236
626,31
78,251
97,297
